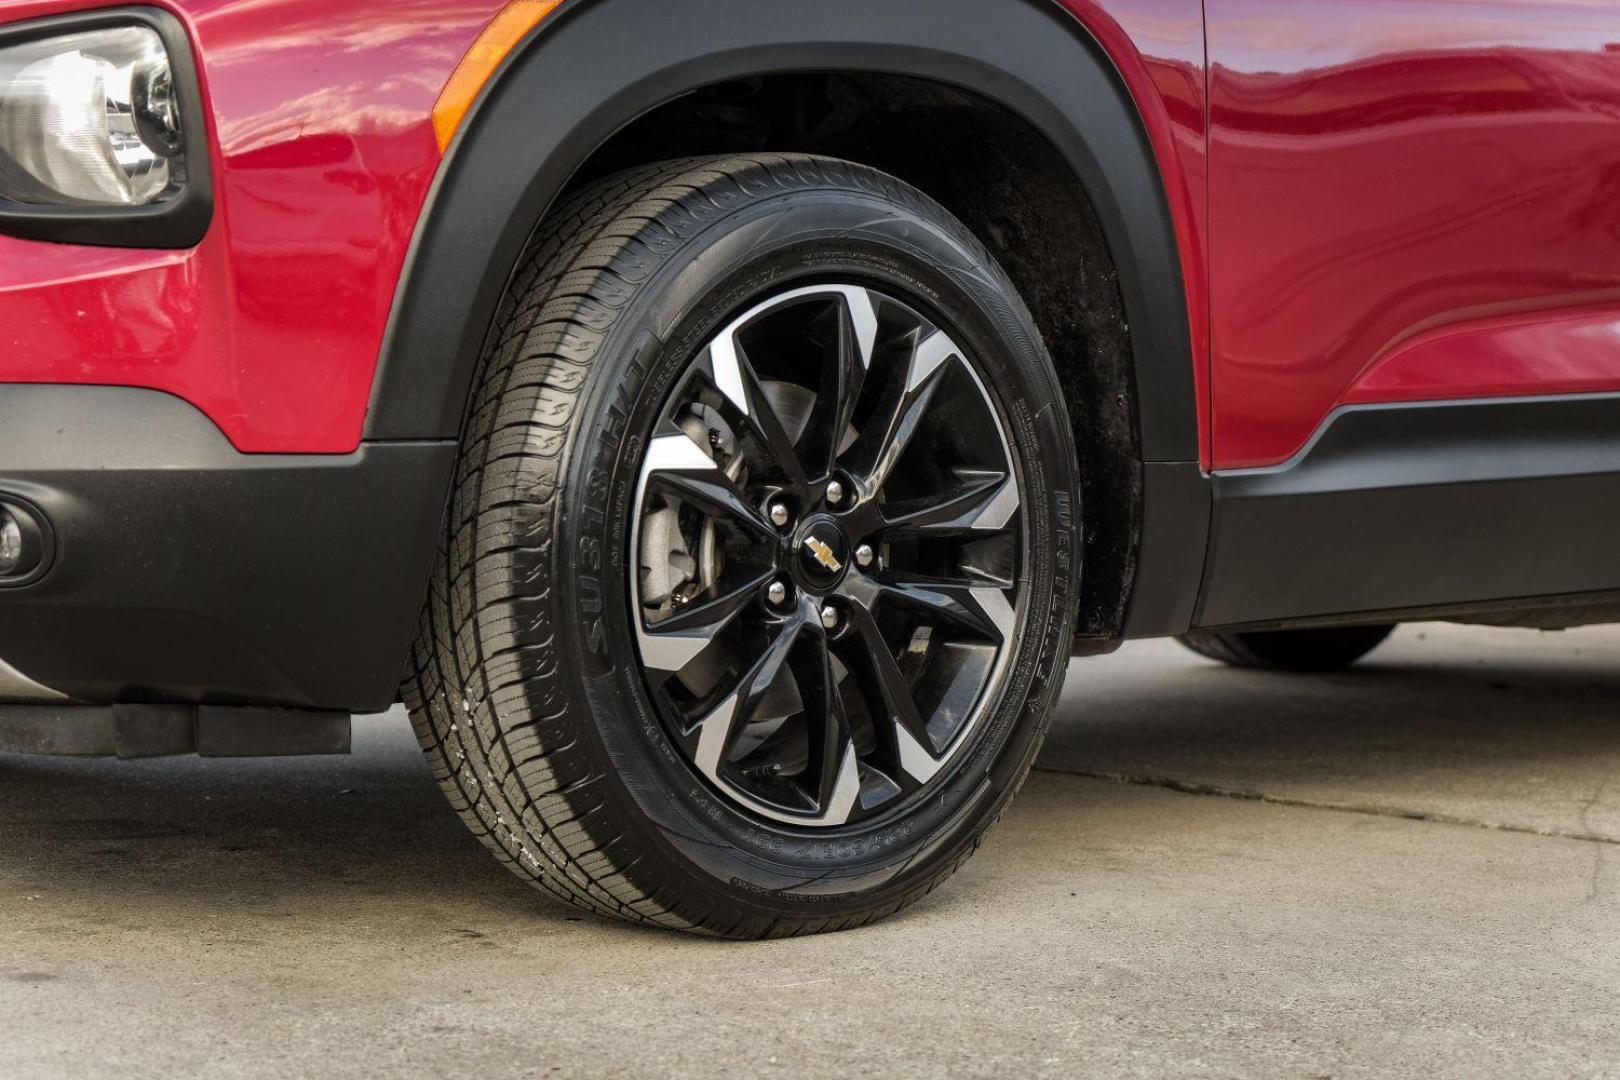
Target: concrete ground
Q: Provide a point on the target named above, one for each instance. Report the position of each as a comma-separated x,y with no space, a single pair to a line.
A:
1408,870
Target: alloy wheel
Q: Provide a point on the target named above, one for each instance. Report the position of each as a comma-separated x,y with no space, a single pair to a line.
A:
828,544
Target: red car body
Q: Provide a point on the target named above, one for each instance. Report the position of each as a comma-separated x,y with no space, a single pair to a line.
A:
1372,202
1375,201
1415,202
325,154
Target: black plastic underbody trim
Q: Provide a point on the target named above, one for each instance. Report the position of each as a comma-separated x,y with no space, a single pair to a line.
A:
1176,500
146,731
596,65
188,572
1424,508
180,221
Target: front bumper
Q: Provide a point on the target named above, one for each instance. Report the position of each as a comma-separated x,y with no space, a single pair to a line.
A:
184,571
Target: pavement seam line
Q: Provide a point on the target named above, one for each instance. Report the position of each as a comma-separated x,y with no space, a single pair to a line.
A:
1185,787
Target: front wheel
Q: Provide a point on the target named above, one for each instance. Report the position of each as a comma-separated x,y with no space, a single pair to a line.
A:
759,578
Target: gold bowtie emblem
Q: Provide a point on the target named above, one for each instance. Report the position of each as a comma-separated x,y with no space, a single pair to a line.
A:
824,554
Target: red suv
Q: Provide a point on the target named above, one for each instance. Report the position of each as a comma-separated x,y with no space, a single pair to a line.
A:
719,422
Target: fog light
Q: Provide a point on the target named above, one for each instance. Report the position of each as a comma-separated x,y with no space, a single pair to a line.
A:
27,544
11,543
90,119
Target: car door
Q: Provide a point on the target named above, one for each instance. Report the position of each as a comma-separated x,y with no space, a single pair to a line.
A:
1412,201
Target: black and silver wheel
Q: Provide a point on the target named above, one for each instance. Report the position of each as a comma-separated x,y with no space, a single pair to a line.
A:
1330,648
760,575
829,540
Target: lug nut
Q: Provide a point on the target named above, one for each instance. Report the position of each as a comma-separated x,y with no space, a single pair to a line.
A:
829,617
776,593
864,556
835,493
780,515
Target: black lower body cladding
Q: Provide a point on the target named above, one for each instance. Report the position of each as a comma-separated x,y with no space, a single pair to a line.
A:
183,571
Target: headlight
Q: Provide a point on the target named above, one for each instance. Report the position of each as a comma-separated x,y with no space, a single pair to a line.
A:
90,119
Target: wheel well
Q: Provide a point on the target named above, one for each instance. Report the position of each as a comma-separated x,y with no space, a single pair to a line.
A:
1017,194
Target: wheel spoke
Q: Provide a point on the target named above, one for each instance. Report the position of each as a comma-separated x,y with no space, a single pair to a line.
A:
985,502
712,615
981,608
719,729
678,466
875,452
889,696
671,643
737,379
830,743
843,378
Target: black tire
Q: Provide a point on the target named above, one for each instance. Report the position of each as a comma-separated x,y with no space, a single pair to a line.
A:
1324,649
524,687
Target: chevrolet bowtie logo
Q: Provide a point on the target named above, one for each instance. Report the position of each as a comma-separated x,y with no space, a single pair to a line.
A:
824,554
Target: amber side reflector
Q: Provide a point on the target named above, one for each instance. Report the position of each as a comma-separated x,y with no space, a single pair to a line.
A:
500,37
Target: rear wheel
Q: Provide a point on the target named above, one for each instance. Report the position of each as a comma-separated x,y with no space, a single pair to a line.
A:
1324,649
759,576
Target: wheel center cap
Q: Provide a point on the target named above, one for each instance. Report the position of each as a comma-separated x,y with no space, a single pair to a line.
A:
823,553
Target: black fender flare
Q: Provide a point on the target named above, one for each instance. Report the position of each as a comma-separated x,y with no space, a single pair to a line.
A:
596,65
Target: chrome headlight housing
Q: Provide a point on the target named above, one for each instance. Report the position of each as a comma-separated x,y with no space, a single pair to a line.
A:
99,133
